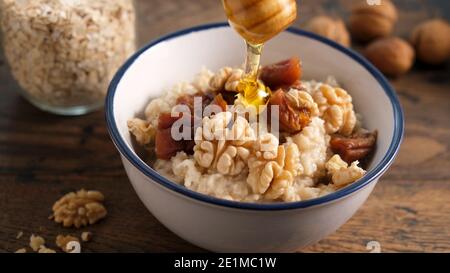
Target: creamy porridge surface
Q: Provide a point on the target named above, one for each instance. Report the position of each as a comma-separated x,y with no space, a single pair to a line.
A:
317,151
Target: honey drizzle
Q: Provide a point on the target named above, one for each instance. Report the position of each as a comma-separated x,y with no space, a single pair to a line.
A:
252,91
252,19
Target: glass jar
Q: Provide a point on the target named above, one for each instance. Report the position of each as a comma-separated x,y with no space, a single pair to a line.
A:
63,53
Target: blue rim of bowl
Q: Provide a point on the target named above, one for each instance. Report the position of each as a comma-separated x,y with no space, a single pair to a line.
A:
148,171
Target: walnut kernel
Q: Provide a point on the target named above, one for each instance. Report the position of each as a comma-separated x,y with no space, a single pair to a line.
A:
341,173
226,79
223,149
80,208
336,109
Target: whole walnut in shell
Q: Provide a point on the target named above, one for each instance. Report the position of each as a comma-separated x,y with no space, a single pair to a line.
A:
328,27
431,40
393,56
368,22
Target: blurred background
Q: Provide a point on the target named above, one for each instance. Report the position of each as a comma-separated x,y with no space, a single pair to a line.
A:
157,17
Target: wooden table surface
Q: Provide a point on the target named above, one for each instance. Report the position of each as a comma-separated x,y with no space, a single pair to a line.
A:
43,156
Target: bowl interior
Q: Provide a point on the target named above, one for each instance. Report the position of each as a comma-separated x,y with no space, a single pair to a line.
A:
181,56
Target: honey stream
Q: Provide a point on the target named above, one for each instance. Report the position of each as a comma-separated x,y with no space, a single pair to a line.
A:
257,21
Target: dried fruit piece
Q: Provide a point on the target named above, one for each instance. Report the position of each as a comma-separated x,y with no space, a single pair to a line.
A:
220,101
355,147
295,85
79,208
189,100
293,118
284,73
165,145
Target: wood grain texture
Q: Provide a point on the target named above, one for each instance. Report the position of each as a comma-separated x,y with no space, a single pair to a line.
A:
44,156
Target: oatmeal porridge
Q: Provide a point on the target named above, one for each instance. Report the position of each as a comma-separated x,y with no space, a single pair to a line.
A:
306,142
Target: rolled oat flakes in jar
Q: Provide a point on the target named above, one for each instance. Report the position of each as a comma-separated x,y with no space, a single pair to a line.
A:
63,53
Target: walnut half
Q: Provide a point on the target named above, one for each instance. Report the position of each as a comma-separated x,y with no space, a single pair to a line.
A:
336,109
80,208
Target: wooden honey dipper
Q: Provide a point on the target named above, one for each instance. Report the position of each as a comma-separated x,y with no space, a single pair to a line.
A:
259,20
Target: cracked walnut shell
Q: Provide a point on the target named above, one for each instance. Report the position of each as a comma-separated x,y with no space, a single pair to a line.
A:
80,208
368,22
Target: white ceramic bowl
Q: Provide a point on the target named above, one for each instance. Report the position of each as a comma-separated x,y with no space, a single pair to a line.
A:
227,226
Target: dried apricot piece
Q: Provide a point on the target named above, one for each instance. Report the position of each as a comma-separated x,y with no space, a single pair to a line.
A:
354,147
295,85
292,118
166,146
283,73
188,100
